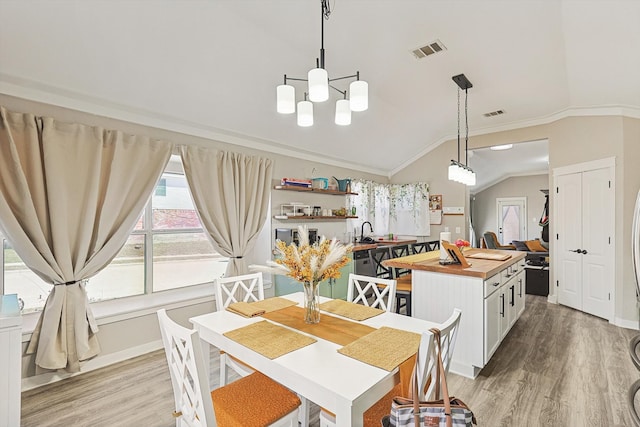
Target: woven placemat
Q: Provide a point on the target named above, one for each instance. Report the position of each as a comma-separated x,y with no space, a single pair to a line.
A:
273,304
245,309
268,339
385,348
350,310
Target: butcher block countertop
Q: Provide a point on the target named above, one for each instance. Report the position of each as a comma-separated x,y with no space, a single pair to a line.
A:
378,242
482,268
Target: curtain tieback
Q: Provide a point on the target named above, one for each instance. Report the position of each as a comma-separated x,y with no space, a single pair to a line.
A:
73,282
236,257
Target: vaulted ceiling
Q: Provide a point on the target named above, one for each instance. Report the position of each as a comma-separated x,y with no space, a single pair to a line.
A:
210,68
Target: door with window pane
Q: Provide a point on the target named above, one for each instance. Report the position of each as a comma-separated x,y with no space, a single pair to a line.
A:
512,219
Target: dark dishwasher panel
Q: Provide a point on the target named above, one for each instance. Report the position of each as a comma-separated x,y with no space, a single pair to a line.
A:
362,264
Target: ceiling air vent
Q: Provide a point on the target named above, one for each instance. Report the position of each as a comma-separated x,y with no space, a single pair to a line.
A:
428,49
494,113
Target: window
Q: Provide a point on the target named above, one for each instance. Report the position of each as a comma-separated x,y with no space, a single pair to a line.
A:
392,208
167,249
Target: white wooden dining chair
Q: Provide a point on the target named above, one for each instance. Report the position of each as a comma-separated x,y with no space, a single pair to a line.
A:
426,362
372,291
448,335
247,288
271,404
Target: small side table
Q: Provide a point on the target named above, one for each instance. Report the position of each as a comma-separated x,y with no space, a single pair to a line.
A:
10,360
537,279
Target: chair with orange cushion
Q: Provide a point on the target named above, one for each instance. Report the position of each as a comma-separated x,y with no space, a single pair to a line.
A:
252,401
247,288
492,242
426,359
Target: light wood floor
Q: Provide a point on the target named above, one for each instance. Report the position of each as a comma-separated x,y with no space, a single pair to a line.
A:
557,367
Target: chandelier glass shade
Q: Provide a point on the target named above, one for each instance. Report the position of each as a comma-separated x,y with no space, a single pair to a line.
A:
286,103
343,112
305,113
318,79
356,98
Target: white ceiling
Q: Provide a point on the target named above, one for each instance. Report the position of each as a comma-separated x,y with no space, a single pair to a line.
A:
491,167
210,68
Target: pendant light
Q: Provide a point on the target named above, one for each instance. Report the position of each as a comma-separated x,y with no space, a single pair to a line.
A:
457,171
319,84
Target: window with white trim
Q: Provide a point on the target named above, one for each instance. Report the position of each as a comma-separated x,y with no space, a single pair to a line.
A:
167,249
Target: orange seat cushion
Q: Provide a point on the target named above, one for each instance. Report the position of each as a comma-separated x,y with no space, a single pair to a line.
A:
373,415
535,246
252,401
403,284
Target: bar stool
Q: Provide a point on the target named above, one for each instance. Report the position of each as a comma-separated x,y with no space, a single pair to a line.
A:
434,245
402,276
418,248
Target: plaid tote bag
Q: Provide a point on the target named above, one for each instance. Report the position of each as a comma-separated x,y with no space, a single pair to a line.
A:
446,412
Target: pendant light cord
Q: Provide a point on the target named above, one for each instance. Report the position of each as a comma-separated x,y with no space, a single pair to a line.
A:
458,125
324,14
466,125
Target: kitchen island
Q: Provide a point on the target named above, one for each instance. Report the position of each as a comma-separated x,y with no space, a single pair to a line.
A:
490,293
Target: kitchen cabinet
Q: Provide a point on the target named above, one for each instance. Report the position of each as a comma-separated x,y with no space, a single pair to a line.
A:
337,288
490,294
10,360
492,323
332,288
520,292
503,305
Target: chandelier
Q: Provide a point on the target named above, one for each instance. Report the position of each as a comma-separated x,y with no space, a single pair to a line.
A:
458,171
319,84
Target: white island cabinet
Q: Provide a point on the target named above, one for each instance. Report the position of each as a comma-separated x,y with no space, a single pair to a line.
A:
490,293
10,361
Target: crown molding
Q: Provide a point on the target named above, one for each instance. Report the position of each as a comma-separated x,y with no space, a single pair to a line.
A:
40,92
605,110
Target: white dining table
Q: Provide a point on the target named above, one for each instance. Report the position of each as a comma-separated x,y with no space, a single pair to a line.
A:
343,385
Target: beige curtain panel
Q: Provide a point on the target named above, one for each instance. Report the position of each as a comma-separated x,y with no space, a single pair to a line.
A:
231,193
69,197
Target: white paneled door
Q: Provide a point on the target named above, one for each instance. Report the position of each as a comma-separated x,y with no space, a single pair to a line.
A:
584,207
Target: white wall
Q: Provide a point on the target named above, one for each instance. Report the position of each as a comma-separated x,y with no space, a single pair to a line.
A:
432,168
572,140
135,334
484,206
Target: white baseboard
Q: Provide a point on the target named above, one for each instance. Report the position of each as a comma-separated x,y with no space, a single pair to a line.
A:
625,323
91,365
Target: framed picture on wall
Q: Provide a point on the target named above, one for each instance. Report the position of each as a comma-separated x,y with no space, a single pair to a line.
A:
435,202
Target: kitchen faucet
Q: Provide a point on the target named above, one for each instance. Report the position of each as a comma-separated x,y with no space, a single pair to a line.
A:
362,230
